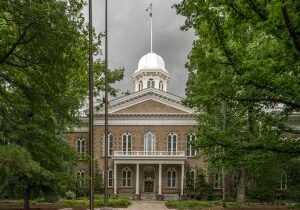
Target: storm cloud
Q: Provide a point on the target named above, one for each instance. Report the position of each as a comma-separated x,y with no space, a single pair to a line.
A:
129,38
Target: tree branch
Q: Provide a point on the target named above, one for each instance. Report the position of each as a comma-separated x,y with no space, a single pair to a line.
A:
294,36
18,42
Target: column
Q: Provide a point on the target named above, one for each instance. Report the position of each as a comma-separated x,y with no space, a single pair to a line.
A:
182,178
115,178
159,179
137,178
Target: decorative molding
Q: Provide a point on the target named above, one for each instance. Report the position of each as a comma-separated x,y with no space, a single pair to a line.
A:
121,161
146,94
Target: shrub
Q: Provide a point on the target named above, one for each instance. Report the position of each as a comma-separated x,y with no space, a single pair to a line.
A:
117,202
292,193
21,202
262,194
187,204
70,195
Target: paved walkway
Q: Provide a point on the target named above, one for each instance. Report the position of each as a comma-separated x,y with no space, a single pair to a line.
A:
141,205
147,205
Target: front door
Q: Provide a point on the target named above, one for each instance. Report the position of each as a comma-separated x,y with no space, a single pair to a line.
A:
148,186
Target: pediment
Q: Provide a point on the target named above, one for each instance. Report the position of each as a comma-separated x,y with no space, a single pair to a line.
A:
150,106
149,101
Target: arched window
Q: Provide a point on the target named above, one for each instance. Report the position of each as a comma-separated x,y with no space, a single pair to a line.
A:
127,143
161,85
171,182
149,142
80,178
110,144
80,144
172,143
193,177
110,178
189,149
126,177
140,85
150,83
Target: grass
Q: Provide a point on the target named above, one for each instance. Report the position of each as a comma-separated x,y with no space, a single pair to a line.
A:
195,204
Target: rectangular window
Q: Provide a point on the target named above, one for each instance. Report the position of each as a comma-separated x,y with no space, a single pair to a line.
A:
283,182
110,178
190,152
217,181
124,143
110,144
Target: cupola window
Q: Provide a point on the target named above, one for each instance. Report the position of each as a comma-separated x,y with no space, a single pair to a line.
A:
150,83
140,85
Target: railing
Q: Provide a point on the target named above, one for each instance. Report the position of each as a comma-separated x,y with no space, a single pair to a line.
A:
148,154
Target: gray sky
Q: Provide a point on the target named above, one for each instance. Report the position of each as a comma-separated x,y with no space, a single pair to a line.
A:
129,38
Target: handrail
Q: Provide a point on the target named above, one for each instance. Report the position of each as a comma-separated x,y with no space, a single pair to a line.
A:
148,153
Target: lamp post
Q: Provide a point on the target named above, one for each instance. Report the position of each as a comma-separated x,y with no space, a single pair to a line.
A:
91,110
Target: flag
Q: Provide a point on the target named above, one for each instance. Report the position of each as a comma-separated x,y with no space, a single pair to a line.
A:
149,9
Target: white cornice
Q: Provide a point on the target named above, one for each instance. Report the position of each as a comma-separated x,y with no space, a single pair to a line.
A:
148,94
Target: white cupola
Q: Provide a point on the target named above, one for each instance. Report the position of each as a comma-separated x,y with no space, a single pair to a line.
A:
151,73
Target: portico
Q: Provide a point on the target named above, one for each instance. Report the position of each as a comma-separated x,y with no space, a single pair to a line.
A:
157,173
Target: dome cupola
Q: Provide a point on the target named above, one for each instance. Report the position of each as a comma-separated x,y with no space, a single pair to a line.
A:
151,73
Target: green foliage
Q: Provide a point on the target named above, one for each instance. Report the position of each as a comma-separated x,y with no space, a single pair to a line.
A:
194,204
246,59
243,65
116,202
70,195
20,203
189,180
201,186
43,83
292,193
98,179
262,193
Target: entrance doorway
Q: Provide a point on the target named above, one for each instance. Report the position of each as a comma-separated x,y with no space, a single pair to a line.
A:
149,186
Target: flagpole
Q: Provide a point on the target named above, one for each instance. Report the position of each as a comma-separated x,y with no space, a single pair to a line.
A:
91,110
151,34
106,112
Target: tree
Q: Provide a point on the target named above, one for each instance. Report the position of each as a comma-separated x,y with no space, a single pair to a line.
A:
43,62
98,179
246,53
247,56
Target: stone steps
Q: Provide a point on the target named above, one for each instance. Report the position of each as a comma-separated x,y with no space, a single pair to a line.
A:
148,196
171,197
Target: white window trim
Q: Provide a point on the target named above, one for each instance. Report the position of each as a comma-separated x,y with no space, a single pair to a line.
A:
153,142
283,182
170,170
126,178
112,178
140,85
172,142
150,83
219,181
81,150
194,177
81,175
188,138
127,148
110,143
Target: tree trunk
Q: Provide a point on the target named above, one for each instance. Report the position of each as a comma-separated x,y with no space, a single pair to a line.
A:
241,188
224,187
26,197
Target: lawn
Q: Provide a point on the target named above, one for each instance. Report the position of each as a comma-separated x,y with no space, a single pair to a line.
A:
217,205
76,204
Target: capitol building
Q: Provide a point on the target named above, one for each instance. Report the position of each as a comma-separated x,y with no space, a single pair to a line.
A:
149,140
